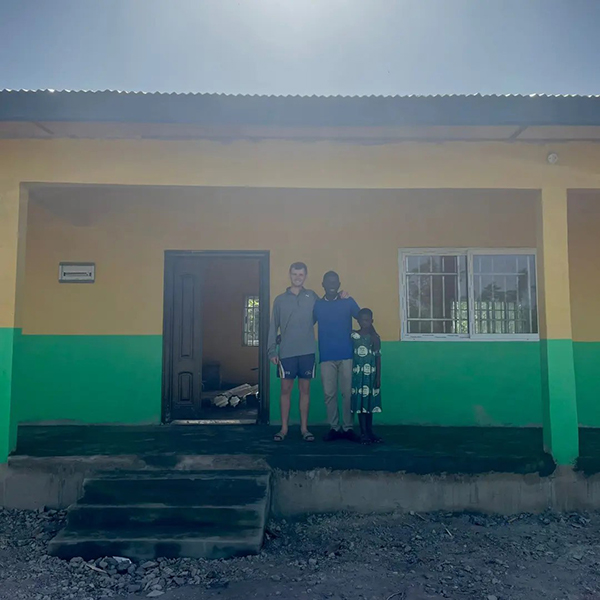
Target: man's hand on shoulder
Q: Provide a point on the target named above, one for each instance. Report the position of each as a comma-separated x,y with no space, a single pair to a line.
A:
275,360
344,295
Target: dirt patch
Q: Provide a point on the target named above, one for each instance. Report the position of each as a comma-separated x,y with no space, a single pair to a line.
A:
337,557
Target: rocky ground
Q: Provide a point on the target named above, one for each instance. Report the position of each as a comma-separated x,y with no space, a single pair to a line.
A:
383,557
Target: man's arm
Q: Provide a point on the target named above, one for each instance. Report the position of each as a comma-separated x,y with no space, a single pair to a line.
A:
354,307
316,310
273,330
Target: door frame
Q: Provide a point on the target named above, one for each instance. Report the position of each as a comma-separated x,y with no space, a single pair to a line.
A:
263,256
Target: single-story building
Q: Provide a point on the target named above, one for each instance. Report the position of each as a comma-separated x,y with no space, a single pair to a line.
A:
143,237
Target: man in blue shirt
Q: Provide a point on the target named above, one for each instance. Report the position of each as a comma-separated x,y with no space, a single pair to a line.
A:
334,316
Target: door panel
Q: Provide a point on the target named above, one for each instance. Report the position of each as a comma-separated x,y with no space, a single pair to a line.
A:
186,386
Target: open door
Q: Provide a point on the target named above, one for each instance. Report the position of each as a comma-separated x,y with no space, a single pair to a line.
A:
186,342
216,321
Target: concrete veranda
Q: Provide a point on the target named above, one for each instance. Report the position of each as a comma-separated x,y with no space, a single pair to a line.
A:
419,450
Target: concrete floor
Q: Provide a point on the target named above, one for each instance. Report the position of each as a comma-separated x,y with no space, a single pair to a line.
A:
416,450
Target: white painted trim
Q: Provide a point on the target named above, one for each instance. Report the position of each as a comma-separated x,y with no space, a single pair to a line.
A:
469,253
463,251
425,337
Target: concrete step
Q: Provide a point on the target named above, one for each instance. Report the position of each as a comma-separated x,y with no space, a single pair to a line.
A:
152,514
85,517
180,488
157,543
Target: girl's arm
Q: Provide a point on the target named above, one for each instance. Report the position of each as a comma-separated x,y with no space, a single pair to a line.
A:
377,351
376,341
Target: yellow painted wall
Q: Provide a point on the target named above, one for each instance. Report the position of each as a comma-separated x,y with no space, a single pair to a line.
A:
226,283
356,232
553,264
275,164
584,264
304,164
12,230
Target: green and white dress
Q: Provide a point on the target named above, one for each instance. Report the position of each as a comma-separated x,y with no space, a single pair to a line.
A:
366,398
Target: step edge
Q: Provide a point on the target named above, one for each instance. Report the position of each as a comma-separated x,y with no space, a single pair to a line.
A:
75,538
224,504
251,506
90,483
179,474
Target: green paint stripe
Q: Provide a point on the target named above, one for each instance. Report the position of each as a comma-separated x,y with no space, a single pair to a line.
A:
88,379
559,400
7,336
587,377
449,383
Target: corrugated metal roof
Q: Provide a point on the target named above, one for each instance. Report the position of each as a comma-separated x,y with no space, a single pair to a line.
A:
159,93
298,111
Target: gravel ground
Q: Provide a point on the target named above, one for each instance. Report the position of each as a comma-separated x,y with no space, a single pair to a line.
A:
397,556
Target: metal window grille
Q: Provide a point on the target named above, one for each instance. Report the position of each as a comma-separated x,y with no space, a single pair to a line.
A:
504,298
468,294
437,294
251,316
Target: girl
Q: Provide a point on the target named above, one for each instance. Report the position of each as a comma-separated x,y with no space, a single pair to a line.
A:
366,376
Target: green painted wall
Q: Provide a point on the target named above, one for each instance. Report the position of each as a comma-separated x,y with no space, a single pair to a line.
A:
450,383
6,364
117,379
559,400
587,378
88,379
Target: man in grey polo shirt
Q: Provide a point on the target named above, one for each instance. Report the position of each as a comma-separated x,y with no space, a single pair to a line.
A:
292,329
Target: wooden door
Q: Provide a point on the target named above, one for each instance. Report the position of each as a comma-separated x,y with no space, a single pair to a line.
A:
186,372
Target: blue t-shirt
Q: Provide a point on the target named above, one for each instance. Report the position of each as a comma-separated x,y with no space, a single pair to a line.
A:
335,326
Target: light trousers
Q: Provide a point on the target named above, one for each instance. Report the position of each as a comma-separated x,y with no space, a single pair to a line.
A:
336,375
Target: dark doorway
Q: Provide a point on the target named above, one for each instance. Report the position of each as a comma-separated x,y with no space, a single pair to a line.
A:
215,364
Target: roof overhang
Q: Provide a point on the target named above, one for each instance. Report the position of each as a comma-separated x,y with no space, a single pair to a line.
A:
120,115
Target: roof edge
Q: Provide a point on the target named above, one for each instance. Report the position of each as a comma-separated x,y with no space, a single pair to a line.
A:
299,111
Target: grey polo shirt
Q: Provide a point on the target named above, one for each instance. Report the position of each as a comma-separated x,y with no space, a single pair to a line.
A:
293,318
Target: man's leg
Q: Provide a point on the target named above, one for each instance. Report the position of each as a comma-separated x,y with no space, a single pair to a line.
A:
304,385
345,383
284,400
288,369
329,378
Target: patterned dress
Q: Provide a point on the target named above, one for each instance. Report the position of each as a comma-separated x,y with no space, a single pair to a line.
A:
366,398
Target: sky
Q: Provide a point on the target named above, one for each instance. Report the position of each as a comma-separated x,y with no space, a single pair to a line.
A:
326,47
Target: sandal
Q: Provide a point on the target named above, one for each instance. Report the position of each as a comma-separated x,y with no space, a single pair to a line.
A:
308,437
278,437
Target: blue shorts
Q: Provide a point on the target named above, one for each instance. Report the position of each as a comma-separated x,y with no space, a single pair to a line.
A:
302,367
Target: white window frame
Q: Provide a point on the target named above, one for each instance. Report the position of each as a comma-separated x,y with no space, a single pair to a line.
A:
457,337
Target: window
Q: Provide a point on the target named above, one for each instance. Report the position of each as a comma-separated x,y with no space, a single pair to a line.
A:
468,294
251,321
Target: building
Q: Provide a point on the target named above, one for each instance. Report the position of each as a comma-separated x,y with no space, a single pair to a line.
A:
467,223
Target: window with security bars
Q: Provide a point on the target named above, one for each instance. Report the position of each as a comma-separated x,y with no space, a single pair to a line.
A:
504,294
251,310
468,293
